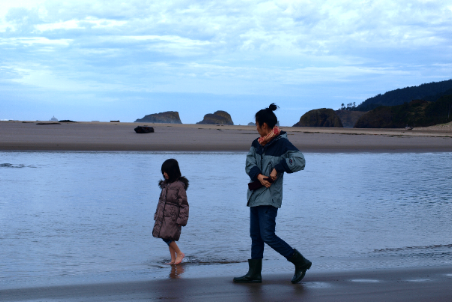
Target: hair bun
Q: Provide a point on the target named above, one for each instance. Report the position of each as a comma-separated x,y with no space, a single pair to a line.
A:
272,107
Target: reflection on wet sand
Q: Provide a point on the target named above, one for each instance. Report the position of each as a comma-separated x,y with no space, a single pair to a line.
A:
176,271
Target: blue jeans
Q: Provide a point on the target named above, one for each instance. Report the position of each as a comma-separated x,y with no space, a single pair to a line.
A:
262,230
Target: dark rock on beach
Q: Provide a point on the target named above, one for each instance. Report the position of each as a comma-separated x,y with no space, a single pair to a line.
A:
218,117
319,118
144,129
168,117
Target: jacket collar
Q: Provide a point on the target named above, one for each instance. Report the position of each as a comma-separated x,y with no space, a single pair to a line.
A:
283,134
163,184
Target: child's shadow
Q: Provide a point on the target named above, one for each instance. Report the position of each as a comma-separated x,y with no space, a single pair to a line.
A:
176,271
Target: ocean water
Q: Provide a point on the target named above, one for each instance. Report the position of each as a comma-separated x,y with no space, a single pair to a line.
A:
74,217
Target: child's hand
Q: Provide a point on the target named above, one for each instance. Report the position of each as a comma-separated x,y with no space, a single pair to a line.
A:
274,174
264,182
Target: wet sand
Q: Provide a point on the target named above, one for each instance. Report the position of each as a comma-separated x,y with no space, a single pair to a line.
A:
97,136
420,284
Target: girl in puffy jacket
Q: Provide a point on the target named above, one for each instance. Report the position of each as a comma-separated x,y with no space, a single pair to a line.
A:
172,208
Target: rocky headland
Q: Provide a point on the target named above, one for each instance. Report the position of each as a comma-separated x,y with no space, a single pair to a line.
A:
417,113
323,117
349,117
218,117
168,117
427,92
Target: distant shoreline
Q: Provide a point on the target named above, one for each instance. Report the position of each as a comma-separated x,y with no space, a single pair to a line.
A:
115,136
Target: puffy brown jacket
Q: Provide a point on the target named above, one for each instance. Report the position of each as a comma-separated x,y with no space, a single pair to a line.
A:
172,210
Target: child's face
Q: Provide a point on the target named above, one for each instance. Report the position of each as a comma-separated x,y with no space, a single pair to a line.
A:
165,175
262,129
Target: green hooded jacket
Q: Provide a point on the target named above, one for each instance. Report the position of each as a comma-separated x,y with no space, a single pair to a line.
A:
280,154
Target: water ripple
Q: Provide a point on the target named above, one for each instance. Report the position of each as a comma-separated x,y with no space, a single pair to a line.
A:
8,165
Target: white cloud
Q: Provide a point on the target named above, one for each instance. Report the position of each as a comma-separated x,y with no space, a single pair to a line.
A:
276,47
70,24
80,24
39,76
35,40
9,73
293,26
171,39
6,5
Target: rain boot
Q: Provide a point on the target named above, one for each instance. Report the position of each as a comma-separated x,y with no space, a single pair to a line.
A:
254,272
301,266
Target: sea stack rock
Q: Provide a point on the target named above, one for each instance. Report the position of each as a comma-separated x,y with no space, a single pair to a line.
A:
168,117
319,118
218,117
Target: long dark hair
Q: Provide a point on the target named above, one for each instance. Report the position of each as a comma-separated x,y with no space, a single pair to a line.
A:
171,167
267,116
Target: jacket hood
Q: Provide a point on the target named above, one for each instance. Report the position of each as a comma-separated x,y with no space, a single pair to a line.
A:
164,183
184,181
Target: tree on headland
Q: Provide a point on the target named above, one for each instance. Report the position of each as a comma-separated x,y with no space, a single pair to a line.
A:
350,106
417,113
428,92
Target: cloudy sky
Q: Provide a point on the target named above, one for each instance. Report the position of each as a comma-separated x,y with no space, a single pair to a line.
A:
105,60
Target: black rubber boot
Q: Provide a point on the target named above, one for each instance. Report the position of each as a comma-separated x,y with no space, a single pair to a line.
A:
301,266
254,272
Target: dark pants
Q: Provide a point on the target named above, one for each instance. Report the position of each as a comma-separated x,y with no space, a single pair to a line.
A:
167,241
262,230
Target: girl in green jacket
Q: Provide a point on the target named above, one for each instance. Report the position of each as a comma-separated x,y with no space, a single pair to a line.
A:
270,156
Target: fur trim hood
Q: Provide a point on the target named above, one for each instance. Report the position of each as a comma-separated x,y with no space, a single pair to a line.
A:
182,179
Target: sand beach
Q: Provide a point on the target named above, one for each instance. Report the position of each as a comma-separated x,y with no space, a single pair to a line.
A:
104,136
379,284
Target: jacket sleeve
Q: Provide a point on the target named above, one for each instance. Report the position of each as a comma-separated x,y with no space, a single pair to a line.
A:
251,164
293,160
158,203
183,204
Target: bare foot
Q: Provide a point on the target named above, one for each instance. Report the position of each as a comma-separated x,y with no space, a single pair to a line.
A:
170,263
179,258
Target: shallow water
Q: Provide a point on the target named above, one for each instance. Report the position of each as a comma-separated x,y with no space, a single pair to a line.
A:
88,215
